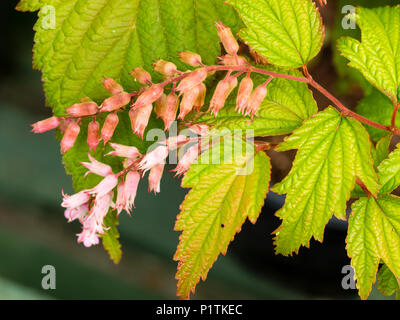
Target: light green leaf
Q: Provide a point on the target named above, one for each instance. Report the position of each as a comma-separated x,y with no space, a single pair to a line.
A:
288,33
97,38
110,238
381,151
388,284
377,56
389,172
332,152
374,235
222,197
287,105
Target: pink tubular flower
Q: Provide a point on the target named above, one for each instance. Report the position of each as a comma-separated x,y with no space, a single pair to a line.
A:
188,158
76,200
149,96
83,109
112,86
223,90
124,151
155,176
201,97
160,106
131,185
115,102
105,186
171,108
141,75
255,100
97,167
140,119
121,203
190,58
109,126
71,133
45,125
165,68
93,135
77,213
157,156
229,60
228,40
244,93
192,80
188,101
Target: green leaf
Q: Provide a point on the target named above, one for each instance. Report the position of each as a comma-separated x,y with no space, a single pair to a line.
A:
332,152
97,38
222,197
388,284
110,239
288,33
389,172
287,105
377,55
374,235
381,151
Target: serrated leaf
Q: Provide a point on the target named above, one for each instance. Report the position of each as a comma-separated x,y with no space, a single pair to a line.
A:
381,151
377,55
388,284
374,235
97,38
389,172
110,238
332,152
222,197
287,105
288,33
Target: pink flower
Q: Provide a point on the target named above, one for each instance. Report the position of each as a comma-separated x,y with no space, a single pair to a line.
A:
112,86
141,75
115,102
45,125
228,40
97,167
82,109
70,136
186,161
188,101
255,100
155,176
124,151
102,204
105,186
157,156
166,68
77,213
229,60
192,80
149,96
76,200
109,126
88,237
93,135
140,118
223,90
244,93
190,58
121,203
131,184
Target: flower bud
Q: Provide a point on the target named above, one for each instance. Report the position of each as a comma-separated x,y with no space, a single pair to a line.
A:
192,80
160,105
228,40
140,118
255,100
166,68
155,176
229,60
109,126
45,125
188,100
244,93
82,109
201,97
115,102
171,109
141,75
149,96
223,90
190,58
93,135
71,133
112,86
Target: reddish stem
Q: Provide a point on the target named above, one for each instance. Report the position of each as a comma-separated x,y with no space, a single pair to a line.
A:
394,115
364,187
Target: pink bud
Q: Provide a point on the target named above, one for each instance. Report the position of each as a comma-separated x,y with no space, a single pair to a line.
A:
140,118
188,101
160,105
124,151
255,100
115,102
82,109
71,133
105,186
141,75
188,158
131,185
228,60
166,68
201,97
157,156
244,93
192,80
228,40
76,200
112,86
45,125
149,96
171,108
223,90
93,135
97,167
109,126
155,176
190,58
